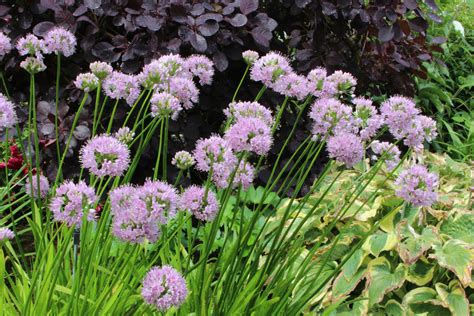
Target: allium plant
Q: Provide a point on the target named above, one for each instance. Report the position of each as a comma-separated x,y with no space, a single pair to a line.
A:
111,239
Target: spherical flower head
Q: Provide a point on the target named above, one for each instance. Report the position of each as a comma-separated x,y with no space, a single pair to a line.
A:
164,104
164,287
251,135
30,45
398,113
173,66
122,86
421,129
125,135
201,203
211,151
240,110
417,186
344,82
100,69
105,156
316,78
72,202
250,57
152,74
269,68
330,116
161,200
293,86
87,82
366,118
388,152
60,41
8,117
183,160
242,175
346,148
6,233
5,44
202,67
185,91
33,65
32,190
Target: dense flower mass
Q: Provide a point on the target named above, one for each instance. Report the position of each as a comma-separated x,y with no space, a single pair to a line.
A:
125,135
250,57
293,86
316,78
242,175
398,113
388,152
421,129
31,45
417,186
164,287
6,233
212,151
250,134
60,41
105,156
366,118
100,69
161,200
201,203
87,82
32,190
239,110
5,44
121,86
202,67
72,202
185,91
269,68
164,104
183,160
8,117
33,65
343,82
330,116
346,148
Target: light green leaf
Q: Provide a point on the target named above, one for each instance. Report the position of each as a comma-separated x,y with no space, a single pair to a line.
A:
459,226
424,301
379,242
420,273
412,245
454,297
350,276
457,256
393,308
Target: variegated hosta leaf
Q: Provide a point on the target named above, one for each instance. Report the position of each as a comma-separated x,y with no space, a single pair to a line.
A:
420,272
379,242
412,245
393,308
381,279
453,297
460,226
457,256
424,301
351,274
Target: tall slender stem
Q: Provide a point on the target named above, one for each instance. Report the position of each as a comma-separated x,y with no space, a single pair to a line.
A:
56,112
5,89
96,108
240,83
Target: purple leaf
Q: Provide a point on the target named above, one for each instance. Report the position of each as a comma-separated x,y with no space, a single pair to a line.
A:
228,10
302,3
328,8
208,16
432,4
411,4
41,28
92,4
80,10
4,10
248,6
386,33
220,61
81,132
261,35
238,20
209,28
105,52
435,18
199,42
439,40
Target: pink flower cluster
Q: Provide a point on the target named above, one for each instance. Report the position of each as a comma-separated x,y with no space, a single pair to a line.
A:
239,110
8,117
417,186
32,190
389,153
6,233
202,203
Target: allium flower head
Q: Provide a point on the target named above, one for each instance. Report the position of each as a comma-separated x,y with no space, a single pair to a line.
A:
293,86
152,74
398,113
125,135
33,189
87,82
60,41
421,129
122,86
173,66
5,44
6,233
316,78
164,287
183,160
105,156
344,82
417,186
211,151
346,148
366,118
330,116
185,91
33,65
100,69
8,117
203,205
164,104
131,220
388,152
30,45
202,67
250,134
250,57
269,68
243,175
72,202
161,200
240,110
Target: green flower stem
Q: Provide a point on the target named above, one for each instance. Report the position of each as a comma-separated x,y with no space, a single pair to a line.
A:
129,115
165,149
260,93
112,116
101,111
56,111
240,83
276,124
5,89
158,157
96,108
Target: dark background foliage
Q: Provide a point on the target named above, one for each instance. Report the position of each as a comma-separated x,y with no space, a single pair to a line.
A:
381,42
